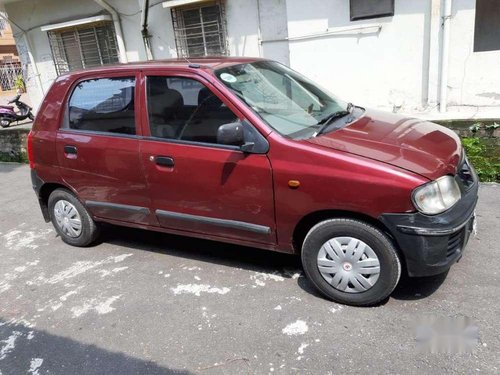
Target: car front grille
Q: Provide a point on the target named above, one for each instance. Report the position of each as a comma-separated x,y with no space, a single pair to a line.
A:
455,242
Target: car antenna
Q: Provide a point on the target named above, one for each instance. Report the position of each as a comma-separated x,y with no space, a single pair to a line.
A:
191,65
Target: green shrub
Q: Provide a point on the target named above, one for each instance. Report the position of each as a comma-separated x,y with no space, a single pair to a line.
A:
484,156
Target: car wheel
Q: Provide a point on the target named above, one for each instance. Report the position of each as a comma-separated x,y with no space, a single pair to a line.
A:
350,262
5,123
70,219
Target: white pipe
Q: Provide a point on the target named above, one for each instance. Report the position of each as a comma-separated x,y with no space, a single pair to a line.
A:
259,29
445,52
29,49
118,29
368,29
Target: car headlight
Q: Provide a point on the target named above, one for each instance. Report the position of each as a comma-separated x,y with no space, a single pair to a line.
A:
437,196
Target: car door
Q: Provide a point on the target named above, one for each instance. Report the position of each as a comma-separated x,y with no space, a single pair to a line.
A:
197,185
98,148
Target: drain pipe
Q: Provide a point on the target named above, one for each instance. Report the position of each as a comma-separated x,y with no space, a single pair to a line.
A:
29,49
118,29
144,31
445,52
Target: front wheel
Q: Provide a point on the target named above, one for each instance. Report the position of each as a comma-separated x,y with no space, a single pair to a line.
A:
4,123
70,219
351,262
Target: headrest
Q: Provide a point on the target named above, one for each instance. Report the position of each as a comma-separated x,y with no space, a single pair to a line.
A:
157,85
208,100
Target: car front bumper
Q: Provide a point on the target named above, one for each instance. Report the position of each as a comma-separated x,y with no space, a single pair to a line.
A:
431,244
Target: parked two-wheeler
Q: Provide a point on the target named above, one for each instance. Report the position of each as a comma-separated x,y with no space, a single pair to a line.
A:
8,115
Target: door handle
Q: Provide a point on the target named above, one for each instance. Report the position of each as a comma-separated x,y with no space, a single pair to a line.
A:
70,150
165,161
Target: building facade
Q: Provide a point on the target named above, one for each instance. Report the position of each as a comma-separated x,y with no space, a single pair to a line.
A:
10,66
399,55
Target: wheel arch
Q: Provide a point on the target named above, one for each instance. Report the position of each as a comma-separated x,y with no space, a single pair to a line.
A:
313,218
43,196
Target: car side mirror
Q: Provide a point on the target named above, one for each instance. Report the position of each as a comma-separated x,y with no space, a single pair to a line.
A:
231,134
243,135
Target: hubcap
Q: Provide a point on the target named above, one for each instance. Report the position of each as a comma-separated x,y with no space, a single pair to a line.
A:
67,218
348,264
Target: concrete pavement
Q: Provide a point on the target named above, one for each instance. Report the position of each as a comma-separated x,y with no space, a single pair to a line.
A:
141,302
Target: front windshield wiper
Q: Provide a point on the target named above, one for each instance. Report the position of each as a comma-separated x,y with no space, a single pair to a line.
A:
326,121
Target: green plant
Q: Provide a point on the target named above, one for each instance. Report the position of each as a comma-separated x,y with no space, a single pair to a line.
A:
484,156
19,83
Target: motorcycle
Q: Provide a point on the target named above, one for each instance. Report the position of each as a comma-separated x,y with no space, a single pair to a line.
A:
9,115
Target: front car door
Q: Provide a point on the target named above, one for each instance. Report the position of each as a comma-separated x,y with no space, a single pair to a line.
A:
98,147
197,185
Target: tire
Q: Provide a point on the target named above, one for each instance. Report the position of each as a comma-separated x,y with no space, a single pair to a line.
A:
62,200
372,289
4,124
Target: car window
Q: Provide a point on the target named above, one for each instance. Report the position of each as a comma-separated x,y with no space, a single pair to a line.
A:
103,104
290,103
185,109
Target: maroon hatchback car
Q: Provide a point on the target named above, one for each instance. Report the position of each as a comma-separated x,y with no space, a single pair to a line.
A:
250,152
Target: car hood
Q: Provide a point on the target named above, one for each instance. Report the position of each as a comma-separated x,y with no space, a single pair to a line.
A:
419,146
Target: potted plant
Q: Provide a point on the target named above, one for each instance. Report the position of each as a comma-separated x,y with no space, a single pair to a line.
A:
19,84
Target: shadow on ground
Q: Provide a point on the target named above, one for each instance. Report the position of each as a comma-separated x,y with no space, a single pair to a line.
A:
230,255
415,288
248,258
24,347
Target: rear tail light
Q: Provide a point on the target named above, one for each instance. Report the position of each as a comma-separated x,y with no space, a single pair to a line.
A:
29,150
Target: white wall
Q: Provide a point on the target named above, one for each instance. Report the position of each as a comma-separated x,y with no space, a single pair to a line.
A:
31,15
474,77
395,68
242,27
382,69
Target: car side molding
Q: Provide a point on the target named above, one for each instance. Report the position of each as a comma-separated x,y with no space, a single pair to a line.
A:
117,206
241,225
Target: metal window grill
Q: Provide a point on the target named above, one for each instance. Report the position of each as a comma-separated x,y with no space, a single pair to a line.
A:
83,47
200,31
8,74
3,22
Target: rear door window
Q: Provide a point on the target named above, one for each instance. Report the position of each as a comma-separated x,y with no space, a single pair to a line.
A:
103,105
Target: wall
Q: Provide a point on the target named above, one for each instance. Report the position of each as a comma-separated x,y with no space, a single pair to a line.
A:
31,15
474,77
376,69
13,144
395,68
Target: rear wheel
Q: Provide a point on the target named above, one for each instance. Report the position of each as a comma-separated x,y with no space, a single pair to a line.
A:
31,117
70,219
350,262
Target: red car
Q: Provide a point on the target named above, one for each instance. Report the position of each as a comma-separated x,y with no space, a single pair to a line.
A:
250,152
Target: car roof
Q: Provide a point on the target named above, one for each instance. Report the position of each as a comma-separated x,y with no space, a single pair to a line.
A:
210,63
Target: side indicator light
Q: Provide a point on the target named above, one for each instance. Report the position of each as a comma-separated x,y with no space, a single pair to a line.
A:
293,184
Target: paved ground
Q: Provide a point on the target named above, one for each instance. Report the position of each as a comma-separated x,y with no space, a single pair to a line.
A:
141,302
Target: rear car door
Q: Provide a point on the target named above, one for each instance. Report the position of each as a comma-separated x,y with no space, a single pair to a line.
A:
98,147
197,185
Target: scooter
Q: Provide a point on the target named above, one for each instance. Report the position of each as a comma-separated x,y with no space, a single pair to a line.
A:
9,115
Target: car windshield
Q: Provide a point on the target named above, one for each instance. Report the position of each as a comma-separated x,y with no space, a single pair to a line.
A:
290,103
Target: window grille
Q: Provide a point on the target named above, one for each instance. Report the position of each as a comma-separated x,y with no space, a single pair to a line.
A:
3,22
200,31
83,47
9,71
